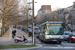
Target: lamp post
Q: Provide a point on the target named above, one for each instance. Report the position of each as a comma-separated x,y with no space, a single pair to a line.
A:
33,40
33,21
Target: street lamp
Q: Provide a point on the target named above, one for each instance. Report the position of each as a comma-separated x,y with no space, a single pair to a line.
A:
33,21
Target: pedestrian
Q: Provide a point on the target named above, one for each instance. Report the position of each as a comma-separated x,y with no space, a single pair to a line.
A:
13,33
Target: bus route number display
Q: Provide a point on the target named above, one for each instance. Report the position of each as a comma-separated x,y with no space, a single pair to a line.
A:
55,24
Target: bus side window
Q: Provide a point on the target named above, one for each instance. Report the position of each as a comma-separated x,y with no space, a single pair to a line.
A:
41,29
43,26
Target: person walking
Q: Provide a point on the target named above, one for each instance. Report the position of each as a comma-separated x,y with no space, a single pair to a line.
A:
13,33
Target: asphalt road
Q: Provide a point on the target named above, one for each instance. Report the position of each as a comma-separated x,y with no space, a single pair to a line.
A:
50,45
45,46
56,46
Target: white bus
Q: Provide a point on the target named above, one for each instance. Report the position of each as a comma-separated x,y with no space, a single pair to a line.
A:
51,31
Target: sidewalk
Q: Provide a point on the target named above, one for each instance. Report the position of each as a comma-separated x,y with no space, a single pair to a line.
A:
5,37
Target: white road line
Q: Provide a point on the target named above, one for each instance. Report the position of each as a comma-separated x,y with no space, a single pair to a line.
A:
60,47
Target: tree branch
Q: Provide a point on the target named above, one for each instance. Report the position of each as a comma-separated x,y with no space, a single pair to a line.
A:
11,8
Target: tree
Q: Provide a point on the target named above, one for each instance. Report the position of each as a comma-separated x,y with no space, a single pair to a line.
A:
38,19
8,9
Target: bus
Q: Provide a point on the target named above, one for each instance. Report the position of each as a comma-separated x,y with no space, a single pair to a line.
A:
51,31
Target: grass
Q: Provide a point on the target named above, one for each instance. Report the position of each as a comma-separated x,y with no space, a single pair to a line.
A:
15,46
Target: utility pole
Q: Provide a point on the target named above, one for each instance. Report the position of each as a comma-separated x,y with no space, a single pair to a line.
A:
33,22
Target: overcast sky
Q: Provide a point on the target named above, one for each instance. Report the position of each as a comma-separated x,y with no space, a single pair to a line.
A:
54,4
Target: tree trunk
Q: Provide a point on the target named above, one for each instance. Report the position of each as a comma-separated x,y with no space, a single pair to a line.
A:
6,27
2,29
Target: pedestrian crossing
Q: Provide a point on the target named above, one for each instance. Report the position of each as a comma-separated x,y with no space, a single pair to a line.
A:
59,46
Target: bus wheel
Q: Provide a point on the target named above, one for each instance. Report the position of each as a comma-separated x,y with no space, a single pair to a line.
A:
44,41
59,42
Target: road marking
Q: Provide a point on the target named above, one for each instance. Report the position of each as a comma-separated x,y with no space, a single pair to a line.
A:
60,47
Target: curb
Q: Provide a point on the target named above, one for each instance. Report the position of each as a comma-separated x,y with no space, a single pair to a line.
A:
39,46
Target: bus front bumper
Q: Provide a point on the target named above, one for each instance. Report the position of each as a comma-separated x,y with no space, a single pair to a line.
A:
54,39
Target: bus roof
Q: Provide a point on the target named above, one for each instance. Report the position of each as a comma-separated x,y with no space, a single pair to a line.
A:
52,22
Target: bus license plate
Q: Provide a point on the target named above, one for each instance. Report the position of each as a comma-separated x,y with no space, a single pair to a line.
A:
54,40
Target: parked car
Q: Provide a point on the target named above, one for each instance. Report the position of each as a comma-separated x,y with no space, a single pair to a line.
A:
29,27
71,37
20,26
23,28
14,26
66,33
36,30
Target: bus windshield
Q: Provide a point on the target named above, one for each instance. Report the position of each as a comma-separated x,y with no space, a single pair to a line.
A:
54,30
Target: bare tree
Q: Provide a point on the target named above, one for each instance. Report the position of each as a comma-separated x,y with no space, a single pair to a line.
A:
38,19
8,9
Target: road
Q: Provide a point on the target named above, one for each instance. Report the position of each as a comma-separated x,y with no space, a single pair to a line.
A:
56,46
45,46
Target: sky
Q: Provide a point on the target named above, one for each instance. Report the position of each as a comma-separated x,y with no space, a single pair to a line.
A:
55,4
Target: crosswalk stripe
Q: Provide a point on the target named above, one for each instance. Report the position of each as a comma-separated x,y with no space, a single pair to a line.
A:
60,47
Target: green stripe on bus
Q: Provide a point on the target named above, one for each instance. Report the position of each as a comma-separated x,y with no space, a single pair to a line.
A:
53,35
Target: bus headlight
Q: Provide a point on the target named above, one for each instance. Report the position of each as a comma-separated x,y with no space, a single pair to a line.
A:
61,37
47,37
46,32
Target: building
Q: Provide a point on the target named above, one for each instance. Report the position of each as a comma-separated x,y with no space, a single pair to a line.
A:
45,9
